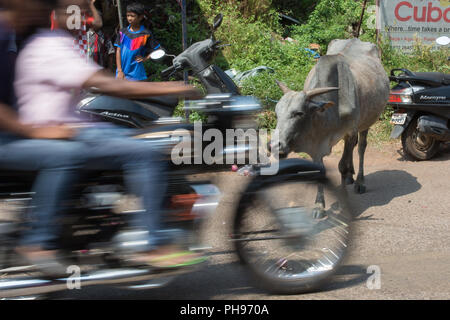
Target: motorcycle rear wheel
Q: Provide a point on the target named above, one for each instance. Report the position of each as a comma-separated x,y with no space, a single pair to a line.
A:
284,248
418,146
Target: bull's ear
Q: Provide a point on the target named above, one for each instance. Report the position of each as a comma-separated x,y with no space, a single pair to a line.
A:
321,106
283,86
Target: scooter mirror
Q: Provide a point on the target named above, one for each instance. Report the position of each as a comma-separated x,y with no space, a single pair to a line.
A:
157,54
443,41
217,21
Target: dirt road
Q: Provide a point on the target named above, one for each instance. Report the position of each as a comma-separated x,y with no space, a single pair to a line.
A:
402,235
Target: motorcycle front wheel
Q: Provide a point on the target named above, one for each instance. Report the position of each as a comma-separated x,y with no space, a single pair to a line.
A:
284,244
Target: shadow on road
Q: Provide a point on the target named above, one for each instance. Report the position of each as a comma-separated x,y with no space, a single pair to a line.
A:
442,155
218,281
211,282
347,276
382,188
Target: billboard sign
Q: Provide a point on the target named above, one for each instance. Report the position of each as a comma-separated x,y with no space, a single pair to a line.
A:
404,21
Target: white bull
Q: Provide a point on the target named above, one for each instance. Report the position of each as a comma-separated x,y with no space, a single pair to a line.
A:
344,94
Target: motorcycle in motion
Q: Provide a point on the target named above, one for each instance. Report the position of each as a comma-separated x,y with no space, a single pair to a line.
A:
282,246
421,102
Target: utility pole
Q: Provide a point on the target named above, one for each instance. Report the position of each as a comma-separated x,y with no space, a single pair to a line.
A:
185,41
119,9
361,20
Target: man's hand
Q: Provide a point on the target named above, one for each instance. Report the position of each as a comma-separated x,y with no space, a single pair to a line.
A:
140,59
184,90
51,132
120,75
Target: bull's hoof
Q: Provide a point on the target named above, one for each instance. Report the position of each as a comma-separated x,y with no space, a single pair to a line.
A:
359,188
348,180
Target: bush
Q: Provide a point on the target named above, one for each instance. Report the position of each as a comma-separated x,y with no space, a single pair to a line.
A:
254,30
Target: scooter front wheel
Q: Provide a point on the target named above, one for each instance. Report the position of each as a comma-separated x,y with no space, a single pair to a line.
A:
417,145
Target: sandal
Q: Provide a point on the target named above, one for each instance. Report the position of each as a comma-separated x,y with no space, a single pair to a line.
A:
168,260
164,261
50,265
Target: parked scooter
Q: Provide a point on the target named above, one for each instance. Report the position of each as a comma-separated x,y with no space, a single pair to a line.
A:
140,113
421,102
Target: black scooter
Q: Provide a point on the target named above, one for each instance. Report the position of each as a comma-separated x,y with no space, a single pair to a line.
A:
142,113
421,102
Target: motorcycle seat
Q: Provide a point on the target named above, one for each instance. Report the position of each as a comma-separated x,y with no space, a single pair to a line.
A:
168,101
12,181
436,77
5,173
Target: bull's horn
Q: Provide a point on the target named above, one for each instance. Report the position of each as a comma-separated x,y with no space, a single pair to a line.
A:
283,86
315,92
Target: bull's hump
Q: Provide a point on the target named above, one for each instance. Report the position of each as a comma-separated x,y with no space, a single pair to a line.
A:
354,48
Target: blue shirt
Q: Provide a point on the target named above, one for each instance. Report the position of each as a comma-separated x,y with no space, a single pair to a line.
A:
133,44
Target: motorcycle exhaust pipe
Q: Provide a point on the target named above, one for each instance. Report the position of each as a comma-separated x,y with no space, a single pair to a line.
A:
17,287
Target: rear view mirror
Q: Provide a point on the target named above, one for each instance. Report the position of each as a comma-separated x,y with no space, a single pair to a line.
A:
157,54
217,21
443,41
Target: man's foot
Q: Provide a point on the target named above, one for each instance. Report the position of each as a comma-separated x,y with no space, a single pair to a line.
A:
169,257
45,260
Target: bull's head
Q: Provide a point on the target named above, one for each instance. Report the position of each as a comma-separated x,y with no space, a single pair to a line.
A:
294,113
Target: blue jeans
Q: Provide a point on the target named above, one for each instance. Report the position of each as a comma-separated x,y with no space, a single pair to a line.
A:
112,148
94,148
56,163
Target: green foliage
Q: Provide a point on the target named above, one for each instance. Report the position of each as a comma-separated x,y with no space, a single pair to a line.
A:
331,19
423,59
256,34
267,119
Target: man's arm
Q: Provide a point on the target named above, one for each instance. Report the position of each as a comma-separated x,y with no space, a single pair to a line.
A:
10,122
135,89
120,73
151,45
142,59
97,24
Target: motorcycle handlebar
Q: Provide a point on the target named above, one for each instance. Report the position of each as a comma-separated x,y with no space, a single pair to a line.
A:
168,70
406,71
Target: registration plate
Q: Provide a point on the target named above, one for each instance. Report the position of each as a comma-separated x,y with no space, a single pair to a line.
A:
398,118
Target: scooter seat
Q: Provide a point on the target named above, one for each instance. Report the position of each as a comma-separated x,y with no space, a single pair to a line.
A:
436,77
168,101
